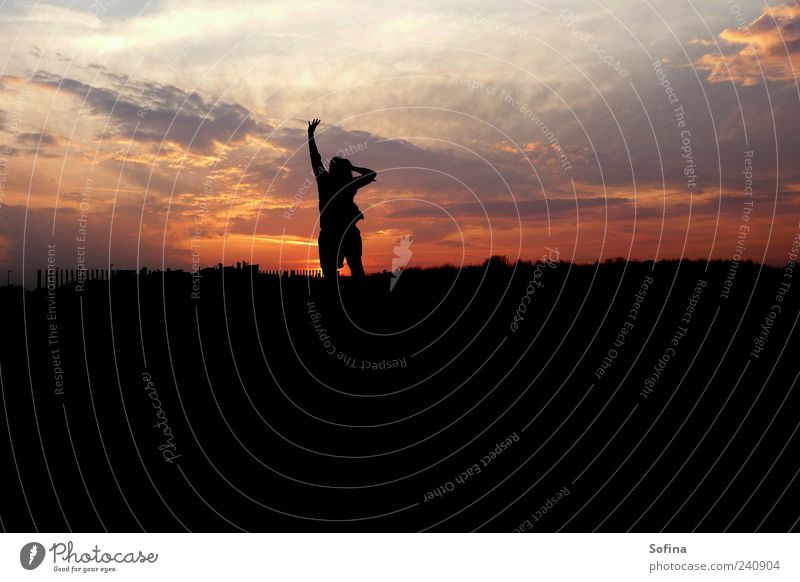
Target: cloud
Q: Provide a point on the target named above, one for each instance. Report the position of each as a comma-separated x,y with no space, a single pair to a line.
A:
506,209
151,112
435,131
40,138
772,41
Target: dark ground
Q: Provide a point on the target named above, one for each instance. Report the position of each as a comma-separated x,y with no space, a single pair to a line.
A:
272,433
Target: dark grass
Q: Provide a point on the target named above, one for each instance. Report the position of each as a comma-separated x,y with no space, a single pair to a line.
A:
276,434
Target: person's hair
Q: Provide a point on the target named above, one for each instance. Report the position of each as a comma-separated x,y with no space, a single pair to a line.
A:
340,167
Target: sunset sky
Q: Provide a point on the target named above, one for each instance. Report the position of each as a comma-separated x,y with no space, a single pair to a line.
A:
496,128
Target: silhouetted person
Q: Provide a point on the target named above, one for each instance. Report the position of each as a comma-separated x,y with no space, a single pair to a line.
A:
339,237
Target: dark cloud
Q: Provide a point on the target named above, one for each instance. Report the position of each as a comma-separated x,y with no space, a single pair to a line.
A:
40,138
151,113
502,208
118,80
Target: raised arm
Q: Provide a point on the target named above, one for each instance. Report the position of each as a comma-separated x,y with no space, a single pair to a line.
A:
367,176
316,159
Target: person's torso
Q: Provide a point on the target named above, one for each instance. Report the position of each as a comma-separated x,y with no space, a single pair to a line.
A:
337,206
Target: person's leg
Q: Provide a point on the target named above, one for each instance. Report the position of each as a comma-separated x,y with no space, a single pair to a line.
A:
356,267
327,255
353,253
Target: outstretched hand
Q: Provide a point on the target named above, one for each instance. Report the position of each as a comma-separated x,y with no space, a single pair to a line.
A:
312,125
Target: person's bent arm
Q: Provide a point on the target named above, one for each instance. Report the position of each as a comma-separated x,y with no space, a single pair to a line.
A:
316,159
367,176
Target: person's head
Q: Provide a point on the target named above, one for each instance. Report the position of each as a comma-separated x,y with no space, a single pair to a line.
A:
340,167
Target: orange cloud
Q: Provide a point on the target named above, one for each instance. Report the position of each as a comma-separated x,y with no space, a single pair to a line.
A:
772,40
